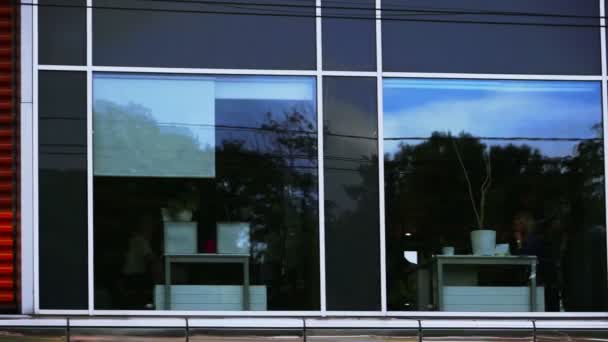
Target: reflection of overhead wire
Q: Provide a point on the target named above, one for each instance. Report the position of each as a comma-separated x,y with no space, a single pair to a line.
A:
358,7
398,19
495,138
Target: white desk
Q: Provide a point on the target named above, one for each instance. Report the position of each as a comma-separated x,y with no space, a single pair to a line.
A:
441,260
207,259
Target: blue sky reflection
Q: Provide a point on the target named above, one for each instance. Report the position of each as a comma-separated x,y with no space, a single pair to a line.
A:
497,109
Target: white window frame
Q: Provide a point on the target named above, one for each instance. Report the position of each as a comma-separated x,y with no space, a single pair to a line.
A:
29,167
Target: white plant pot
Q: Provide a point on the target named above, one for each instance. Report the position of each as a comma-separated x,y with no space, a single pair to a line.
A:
483,242
184,215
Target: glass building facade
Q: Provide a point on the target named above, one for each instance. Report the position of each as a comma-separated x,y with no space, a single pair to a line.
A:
317,158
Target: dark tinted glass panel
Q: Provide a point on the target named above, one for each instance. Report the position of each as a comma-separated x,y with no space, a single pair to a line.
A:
200,35
205,193
62,37
495,176
62,134
416,42
351,193
349,44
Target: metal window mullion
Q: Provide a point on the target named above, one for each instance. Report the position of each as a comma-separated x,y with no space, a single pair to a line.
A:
320,156
35,178
380,101
604,104
90,244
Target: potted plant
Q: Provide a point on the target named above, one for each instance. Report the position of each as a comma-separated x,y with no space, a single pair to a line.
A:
182,207
483,240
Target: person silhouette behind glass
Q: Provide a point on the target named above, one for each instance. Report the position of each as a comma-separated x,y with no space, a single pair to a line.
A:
140,264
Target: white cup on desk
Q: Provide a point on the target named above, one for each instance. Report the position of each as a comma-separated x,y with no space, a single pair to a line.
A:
502,249
448,250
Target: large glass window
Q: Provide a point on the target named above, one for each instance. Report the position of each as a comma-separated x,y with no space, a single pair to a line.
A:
494,195
205,193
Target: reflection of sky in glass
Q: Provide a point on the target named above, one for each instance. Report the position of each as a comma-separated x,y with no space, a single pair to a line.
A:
415,108
184,102
145,123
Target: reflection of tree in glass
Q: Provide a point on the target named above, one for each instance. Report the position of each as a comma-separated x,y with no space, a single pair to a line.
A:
128,140
424,195
274,187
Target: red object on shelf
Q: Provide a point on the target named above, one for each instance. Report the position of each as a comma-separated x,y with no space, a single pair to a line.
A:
209,246
9,154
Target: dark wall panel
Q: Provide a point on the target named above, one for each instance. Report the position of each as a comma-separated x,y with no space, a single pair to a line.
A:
197,35
62,176
418,42
62,36
349,44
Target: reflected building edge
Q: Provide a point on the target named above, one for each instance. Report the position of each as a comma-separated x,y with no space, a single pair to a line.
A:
128,334
241,335
16,334
478,335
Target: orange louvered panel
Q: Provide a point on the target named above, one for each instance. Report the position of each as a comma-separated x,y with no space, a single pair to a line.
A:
9,99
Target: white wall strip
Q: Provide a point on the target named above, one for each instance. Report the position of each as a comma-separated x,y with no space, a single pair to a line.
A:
26,164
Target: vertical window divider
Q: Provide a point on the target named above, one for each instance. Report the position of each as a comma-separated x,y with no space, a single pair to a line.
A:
320,156
90,244
604,99
380,100
36,172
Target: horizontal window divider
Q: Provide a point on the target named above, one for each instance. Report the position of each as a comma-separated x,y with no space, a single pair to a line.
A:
323,73
165,322
332,314
485,315
492,76
58,312
237,314
205,71
350,73
63,67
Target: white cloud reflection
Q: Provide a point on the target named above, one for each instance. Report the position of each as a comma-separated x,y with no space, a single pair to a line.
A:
498,109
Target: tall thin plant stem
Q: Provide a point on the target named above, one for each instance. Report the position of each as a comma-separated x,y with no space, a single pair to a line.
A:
469,185
485,186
